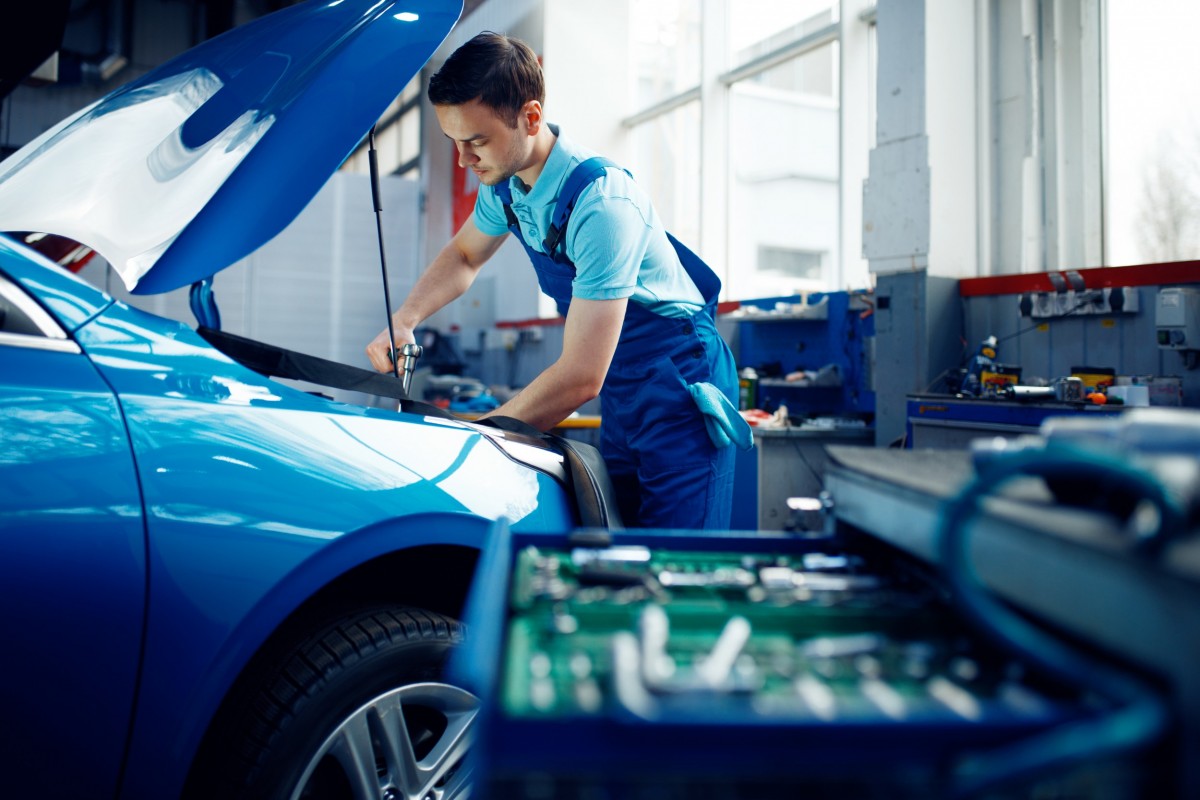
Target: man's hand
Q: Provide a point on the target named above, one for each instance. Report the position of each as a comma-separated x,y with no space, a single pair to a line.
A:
379,352
444,280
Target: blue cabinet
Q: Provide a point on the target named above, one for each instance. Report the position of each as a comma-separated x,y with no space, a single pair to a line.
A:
808,352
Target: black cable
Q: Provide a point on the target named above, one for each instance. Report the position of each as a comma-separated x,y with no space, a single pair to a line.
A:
1141,717
6,117
1069,312
799,448
966,355
940,376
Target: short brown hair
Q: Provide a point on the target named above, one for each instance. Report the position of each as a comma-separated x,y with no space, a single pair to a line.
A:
499,71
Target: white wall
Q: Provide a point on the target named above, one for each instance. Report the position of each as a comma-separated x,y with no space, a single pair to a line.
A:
506,288
950,117
1040,136
587,73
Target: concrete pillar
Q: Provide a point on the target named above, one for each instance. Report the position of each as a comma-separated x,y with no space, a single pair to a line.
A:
919,201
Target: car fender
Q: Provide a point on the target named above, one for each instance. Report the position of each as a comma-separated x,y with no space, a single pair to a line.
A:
158,767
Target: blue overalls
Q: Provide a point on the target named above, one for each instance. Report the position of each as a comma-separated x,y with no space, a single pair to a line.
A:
665,468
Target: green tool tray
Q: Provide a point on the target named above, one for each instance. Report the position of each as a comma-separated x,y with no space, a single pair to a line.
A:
676,659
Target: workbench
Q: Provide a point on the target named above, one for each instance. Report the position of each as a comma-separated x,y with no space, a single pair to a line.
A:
952,421
580,422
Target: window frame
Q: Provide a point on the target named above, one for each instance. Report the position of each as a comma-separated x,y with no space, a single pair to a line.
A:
50,335
713,95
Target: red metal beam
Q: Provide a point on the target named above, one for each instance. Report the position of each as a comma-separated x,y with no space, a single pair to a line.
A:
1095,278
536,322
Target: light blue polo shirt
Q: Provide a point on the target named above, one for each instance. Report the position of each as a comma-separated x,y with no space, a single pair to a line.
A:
614,236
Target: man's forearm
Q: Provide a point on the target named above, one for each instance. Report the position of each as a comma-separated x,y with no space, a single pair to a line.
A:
589,341
444,280
550,398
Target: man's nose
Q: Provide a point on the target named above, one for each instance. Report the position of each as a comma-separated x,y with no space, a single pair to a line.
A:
465,157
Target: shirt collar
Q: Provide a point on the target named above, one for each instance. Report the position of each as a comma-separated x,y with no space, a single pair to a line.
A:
554,171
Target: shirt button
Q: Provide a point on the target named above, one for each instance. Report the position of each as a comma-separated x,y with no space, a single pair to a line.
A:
697,353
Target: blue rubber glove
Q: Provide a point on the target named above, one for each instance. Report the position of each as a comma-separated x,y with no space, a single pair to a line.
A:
725,425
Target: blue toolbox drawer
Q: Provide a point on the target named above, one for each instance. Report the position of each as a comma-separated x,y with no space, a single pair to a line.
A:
670,664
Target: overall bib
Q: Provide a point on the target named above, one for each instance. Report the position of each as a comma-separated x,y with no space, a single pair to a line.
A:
666,470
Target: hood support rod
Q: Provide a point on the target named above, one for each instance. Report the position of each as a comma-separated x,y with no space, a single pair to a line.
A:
373,160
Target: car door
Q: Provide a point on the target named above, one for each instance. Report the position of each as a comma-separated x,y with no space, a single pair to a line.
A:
72,563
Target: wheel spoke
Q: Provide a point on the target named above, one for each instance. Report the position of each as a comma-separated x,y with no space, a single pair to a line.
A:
397,746
352,749
452,747
459,785
379,729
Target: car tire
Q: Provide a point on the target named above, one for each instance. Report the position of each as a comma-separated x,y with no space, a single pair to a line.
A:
359,709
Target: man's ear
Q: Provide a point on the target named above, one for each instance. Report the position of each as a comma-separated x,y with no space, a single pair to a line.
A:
531,112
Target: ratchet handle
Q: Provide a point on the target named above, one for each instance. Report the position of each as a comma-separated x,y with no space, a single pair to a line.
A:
410,353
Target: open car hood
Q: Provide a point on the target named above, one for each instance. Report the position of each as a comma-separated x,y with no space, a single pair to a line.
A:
193,166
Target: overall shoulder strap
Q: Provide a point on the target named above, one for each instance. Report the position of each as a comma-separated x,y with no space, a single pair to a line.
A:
583,174
504,192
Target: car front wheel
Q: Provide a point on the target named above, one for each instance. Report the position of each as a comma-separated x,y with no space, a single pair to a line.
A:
359,711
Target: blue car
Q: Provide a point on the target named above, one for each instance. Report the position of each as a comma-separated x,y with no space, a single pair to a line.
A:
213,584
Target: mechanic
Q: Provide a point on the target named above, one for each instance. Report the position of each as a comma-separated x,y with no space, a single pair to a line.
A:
639,307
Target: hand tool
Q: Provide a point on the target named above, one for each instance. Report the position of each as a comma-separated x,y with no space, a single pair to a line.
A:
410,353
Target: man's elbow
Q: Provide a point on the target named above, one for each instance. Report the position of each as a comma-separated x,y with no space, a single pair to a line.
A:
587,390
586,387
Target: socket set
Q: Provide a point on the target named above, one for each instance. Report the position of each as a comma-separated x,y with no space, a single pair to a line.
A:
686,661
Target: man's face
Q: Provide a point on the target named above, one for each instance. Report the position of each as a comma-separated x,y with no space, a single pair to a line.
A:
486,144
